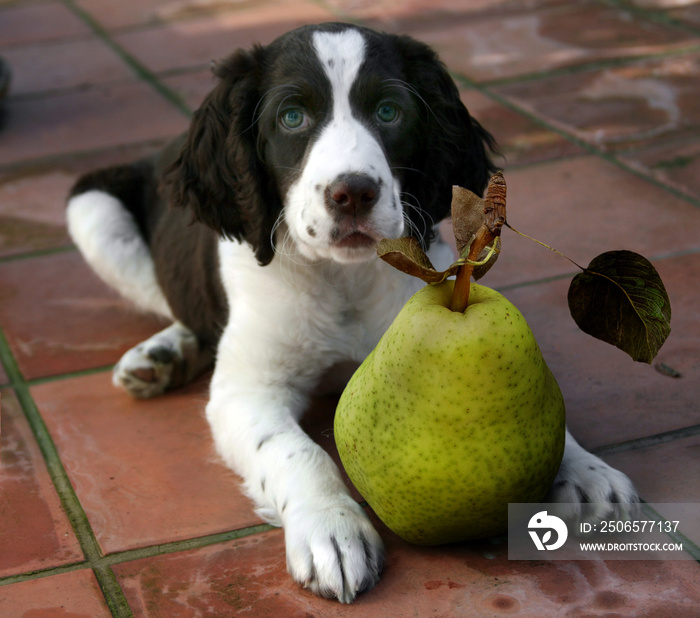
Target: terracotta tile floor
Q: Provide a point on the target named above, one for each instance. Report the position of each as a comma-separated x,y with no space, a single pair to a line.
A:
114,507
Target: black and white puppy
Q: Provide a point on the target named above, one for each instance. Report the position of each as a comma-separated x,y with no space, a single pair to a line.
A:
306,153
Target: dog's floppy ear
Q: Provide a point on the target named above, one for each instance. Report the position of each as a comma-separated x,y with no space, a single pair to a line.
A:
455,147
218,174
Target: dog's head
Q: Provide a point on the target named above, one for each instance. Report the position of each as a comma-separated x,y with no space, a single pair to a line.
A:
337,134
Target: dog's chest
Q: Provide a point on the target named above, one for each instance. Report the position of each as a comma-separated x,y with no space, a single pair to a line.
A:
358,303
321,312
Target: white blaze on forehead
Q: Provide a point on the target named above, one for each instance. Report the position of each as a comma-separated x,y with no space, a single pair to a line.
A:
341,54
344,146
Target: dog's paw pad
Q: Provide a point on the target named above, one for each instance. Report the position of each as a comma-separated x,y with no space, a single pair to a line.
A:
147,375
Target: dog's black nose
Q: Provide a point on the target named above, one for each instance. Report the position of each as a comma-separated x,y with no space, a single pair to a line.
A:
352,195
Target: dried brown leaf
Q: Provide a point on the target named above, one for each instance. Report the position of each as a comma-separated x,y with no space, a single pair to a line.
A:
406,254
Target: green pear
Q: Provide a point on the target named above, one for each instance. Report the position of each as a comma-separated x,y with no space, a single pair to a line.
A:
452,416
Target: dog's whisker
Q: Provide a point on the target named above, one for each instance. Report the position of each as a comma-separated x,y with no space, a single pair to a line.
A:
408,169
275,227
427,220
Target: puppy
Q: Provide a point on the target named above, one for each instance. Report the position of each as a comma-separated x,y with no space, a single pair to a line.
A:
255,234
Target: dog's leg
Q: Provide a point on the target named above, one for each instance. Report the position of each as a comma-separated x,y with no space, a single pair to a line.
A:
109,239
170,358
257,396
593,489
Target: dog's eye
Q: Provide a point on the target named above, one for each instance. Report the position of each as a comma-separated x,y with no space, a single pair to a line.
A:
293,119
387,113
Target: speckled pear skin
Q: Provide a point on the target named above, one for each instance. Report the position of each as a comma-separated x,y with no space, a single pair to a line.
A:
451,417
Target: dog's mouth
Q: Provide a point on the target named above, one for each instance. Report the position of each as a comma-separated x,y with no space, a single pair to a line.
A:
356,240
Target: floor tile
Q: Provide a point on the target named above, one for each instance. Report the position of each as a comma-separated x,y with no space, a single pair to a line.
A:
609,397
539,41
196,42
520,140
34,529
32,212
111,115
583,207
674,162
36,22
72,63
145,471
248,575
69,595
67,320
619,106
192,86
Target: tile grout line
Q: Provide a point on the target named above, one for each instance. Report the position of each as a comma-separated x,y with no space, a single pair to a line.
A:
647,441
141,553
657,16
172,547
85,536
38,253
25,576
140,69
69,375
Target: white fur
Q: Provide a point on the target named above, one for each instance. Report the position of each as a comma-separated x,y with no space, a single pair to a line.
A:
345,146
109,239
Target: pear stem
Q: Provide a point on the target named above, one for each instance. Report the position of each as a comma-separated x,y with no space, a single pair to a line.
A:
460,295
495,217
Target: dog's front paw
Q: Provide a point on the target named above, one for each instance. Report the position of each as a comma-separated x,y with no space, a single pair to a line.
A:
590,490
334,551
